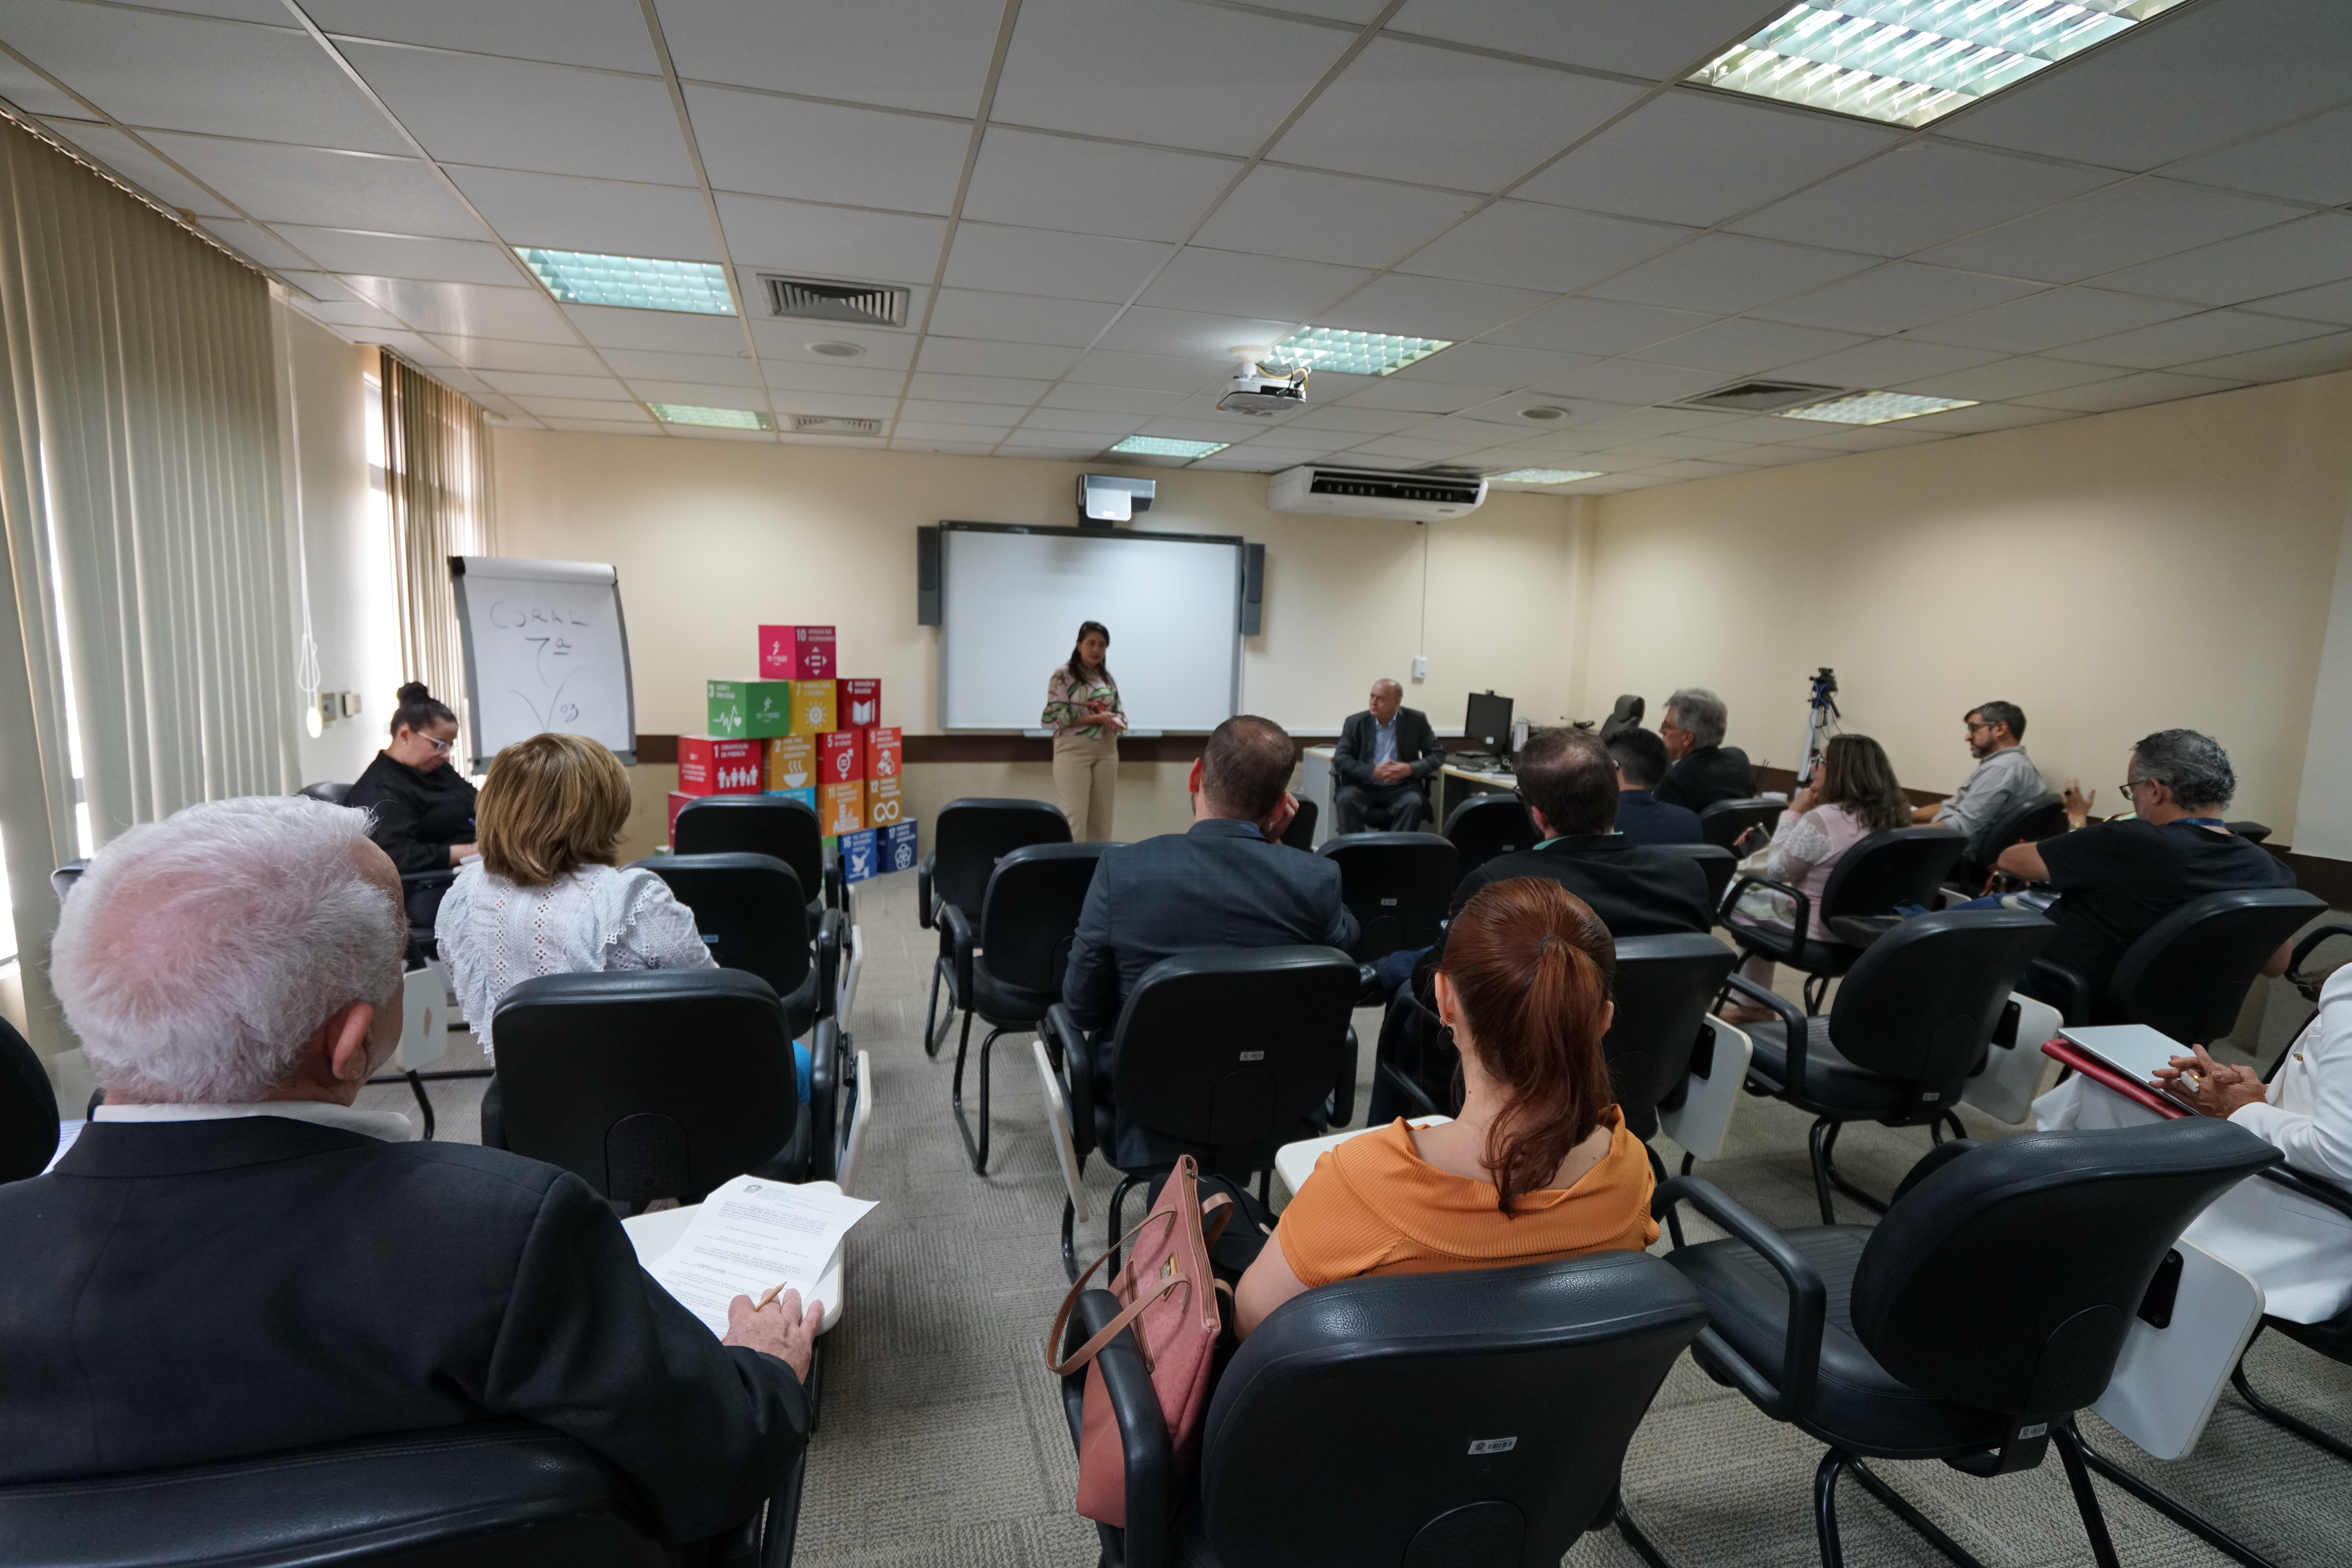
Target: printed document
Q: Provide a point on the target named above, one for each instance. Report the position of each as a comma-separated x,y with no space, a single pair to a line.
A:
753,1234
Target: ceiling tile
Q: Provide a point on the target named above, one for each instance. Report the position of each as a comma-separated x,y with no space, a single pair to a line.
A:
1097,421
1439,117
560,212
968,356
603,426
2288,256
1041,262
357,323
469,310
529,384
1877,365
1596,327
2332,303
2048,319
29,91
929,55
2310,161
2019,377
977,388
1135,400
151,69
2313,356
1019,318
1191,334
1492,364
649,364
2200,76
1196,429
1317,217
1669,448
824,151
920,431
698,395
1179,76
1150,373
1657,421
1092,187
268,248
788,378
1895,297
326,286
1690,469
1422,397
2206,336
1749,430
830,242
138,164
1411,448
791,340
1431,308
1995,417
1522,245
581,408
1640,37
1695,158
717,433
949,448
667,332
1869,438
609,33
2118,226
1227,282
496,353
1726,273
2127,392
405,255
854,406
1742,347
519,114
1916,196
1350,420
345,190
1633,381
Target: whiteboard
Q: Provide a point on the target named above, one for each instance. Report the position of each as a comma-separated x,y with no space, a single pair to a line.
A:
546,650
1011,600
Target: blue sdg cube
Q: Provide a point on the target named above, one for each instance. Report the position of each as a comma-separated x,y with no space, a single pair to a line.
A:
898,852
857,856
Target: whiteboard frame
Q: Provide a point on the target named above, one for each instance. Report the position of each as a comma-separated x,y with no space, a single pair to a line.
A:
1233,695
466,637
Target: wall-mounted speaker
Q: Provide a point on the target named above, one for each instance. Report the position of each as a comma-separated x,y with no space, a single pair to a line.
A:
927,577
1253,588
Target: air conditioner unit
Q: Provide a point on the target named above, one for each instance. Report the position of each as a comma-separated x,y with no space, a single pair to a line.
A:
1374,492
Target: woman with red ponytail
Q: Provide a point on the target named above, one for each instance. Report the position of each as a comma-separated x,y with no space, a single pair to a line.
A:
1539,1165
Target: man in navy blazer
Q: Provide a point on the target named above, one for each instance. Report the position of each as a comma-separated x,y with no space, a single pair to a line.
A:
1641,817
1382,763
1230,881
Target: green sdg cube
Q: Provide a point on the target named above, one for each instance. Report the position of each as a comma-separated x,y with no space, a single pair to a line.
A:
751,710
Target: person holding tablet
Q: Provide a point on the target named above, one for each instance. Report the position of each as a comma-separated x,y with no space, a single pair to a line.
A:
1082,710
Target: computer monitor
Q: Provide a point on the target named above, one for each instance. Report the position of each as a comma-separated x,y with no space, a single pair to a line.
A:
1488,726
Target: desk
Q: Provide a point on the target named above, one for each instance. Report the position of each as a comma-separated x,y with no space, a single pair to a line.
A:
1454,784
1294,1162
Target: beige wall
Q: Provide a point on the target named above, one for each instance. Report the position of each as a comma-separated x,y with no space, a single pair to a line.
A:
2112,576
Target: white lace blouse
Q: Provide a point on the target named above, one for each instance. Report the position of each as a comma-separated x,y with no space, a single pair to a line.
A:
494,934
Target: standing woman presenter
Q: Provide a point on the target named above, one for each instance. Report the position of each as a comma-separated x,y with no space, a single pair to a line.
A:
1082,710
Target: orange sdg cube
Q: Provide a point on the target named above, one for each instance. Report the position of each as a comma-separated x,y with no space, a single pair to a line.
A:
841,807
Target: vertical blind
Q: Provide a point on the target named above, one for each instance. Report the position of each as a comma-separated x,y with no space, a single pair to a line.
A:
145,526
438,485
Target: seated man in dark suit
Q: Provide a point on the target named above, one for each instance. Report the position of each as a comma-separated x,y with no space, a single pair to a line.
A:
1705,770
1228,882
1383,762
232,1260
1641,817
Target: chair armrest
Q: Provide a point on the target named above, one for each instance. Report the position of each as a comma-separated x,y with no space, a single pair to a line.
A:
1069,1042
2303,949
1793,1024
1142,1429
2318,1189
923,889
2072,985
1343,1093
1801,1357
956,946
1369,993
1804,905
426,878
828,962
834,898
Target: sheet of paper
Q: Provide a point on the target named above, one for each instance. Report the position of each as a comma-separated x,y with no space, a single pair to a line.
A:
754,1234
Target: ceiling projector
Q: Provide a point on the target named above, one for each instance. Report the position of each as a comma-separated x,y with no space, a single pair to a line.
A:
1256,390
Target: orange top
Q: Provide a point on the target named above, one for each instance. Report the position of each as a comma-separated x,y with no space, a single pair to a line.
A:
1375,1206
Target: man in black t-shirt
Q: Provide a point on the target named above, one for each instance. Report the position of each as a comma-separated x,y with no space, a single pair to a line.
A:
2118,878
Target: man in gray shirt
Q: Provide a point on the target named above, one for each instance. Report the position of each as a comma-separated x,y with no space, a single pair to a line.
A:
2004,779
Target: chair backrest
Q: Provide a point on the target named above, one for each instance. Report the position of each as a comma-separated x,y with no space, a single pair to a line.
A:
1300,834
2029,822
1894,865
28,1110
2188,974
1626,715
648,1083
1921,1003
1665,984
1397,885
332,794
2005,1280
62,880
2250,831
772,825
1723,822
1230,1048
484,1495
1029,915
1718,862
751,908
970,837
1485,825
1477,1417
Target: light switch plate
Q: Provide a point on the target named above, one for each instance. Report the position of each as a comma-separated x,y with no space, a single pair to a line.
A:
1421,667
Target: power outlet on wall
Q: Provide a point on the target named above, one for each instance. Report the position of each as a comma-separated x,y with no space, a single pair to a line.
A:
1421,667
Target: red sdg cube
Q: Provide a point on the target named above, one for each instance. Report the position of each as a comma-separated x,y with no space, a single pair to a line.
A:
841,756
708,765
886,753
860,705
796,653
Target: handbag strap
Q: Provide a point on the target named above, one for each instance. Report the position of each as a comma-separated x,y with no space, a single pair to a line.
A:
1221,1205
1087,1352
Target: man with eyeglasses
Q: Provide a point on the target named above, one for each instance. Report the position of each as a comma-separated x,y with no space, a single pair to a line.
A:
2004,778
2118,878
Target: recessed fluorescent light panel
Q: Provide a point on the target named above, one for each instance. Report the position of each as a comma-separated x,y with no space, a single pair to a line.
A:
1163,446
1874,408
1907,62
1544,475
721,418
634,283
1338,350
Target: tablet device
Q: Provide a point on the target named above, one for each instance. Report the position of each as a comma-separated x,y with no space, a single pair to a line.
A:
2133,1050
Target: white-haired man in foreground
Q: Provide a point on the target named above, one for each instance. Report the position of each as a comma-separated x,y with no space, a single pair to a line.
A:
234,1261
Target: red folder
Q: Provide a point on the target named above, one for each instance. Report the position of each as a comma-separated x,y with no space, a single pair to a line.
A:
2071,1055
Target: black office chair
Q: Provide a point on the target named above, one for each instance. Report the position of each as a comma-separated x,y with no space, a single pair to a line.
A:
1718,862
332,794
1300,834
491,1494
1358,1394
62,880
2188,974
2331,1338
1969,1326
968,839
1723,822
2252,832
1011,967
1915,1014
771,824
651,1083
1894,867
1626,715
1485,825
28,1110
2028,822
1226,1055
1397,885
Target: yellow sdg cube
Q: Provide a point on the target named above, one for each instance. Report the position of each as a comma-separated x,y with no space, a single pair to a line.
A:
792,763
841,807
815,706
884,803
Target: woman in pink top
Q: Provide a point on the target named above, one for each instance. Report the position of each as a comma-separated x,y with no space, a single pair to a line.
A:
1852,795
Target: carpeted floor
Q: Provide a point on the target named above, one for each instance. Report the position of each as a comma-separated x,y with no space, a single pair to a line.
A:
942,1441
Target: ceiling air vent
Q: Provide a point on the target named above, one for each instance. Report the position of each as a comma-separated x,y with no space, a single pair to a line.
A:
811,300
832,425
1760,396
